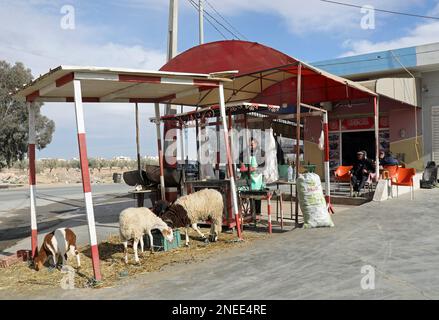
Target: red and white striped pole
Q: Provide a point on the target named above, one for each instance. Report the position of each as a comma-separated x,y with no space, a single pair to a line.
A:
160,151
229,159
86,185
270,226
326,163
32,179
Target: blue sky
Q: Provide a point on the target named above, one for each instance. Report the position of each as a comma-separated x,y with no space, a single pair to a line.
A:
132,33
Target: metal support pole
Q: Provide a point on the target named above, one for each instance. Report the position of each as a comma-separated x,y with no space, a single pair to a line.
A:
32,179
172,52
218,145
201,22
160,151
137,138
270,226
230,124
376,103
172,29
229,159
183,171
326,163
298,106
140,196
79,111
197,134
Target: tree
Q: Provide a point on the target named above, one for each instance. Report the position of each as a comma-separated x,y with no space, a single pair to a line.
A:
74,164
112,163
92,164
14,116
50,164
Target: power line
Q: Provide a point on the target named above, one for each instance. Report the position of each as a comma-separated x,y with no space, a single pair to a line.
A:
382,10
225,20
207,19
213,18
222,25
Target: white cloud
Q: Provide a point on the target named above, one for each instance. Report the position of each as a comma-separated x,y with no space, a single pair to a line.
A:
422,34
36,39
30,32
302,17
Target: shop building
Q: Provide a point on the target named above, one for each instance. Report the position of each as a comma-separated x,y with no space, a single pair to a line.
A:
407,81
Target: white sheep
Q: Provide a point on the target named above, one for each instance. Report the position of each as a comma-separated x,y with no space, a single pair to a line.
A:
134,223
199,206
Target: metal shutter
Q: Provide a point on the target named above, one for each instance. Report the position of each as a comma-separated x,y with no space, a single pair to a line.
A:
435,133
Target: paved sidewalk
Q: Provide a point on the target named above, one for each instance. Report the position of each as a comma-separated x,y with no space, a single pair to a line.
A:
399,238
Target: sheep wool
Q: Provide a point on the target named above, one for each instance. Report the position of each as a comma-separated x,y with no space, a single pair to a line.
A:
202,205
134,222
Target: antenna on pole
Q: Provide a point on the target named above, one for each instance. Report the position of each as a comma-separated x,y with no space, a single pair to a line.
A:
201,20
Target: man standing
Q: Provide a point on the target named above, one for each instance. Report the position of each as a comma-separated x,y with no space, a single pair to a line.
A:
360,172
254,176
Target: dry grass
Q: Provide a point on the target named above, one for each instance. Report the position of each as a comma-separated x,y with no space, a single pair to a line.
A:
21,276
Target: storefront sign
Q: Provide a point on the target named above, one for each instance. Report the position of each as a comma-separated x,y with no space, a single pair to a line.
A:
334,125
365,123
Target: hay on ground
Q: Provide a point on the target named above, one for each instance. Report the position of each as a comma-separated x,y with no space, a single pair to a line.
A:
21,276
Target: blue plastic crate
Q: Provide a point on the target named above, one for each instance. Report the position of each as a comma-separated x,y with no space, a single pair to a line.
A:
160,243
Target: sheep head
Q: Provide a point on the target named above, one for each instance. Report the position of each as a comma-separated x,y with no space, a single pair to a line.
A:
168,234
40,259
176,216
160,207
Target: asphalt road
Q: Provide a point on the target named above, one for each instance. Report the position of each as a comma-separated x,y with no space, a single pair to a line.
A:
395,243
54,205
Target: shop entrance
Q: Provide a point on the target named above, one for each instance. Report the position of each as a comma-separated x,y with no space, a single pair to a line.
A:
352,142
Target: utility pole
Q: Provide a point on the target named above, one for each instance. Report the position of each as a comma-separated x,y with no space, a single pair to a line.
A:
169,130
173,29
172,52
201,20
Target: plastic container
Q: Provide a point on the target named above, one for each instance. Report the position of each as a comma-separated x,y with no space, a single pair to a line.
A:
117,177
160,243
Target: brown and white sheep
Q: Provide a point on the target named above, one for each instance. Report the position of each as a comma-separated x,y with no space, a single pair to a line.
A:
135,222
57,244
188,210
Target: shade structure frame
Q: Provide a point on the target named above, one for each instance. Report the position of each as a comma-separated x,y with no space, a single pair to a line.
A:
32,178
229,161
85,172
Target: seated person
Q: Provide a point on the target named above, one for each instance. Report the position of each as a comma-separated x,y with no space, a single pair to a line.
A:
387,159
360,172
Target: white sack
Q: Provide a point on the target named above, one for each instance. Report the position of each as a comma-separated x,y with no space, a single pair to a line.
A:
312,202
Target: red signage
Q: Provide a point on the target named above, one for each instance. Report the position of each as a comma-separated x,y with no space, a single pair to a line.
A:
384,122
334,125
365,123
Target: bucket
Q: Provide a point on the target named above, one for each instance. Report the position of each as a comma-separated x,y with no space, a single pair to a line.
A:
117,177
283,171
